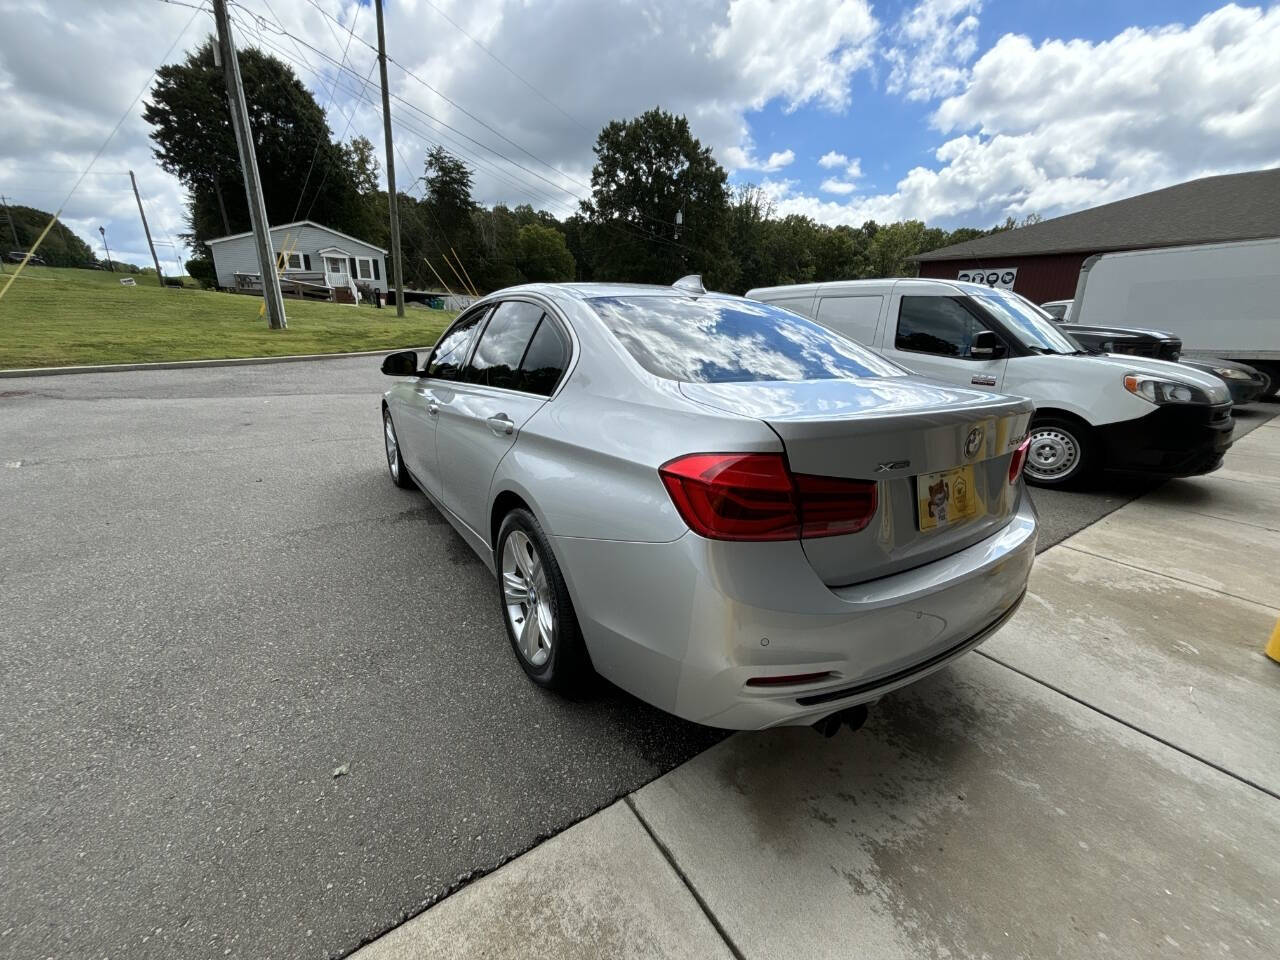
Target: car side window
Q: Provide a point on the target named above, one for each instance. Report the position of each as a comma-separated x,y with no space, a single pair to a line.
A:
855,317
496,361
546,359
451,352
938,325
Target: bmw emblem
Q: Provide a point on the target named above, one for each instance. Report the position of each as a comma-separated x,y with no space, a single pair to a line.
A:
972,443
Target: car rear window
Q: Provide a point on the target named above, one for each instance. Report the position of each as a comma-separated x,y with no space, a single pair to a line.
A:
726,340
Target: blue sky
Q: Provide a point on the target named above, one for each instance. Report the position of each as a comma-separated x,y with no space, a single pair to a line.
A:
890,133
955,111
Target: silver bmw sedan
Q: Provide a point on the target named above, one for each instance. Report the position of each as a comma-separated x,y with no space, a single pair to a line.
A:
720,506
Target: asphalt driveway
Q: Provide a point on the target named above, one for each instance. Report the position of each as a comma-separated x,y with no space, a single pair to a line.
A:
213,602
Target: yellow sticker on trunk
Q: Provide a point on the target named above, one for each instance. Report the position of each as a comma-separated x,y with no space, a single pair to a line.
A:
947,497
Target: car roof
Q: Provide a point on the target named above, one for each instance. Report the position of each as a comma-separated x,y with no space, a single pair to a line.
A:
843,286
588,291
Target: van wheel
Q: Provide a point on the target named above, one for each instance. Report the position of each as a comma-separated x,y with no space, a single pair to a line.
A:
1060,454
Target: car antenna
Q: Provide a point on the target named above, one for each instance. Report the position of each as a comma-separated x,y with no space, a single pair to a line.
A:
691,284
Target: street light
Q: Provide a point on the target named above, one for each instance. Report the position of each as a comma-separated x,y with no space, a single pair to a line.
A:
103,231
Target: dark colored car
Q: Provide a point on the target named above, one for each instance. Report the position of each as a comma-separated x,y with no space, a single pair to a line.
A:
1246,383
17,256
1134,341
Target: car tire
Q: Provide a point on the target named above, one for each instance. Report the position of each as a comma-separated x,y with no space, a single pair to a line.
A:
553,655
1270,387
1061,453
395,460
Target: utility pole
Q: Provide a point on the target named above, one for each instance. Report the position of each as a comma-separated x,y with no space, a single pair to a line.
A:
249,166
8,215
146,229
391,166
103,231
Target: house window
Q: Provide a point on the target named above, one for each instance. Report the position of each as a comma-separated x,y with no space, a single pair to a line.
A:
335,264
365,268
292,261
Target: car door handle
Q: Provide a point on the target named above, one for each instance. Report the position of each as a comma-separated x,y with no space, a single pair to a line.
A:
433,408
501,425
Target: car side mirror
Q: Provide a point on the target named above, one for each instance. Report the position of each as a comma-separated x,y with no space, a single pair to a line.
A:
986,346
402,364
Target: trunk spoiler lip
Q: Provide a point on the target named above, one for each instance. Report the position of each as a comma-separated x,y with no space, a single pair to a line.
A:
917,398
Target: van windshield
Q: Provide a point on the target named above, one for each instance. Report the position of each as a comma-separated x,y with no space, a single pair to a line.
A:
1030,325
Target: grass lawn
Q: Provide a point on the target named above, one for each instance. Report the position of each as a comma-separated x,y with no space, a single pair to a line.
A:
55,317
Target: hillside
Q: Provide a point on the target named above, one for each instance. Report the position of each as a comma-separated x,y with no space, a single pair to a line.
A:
60,316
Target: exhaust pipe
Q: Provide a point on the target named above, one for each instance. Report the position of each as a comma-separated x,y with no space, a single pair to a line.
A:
853,717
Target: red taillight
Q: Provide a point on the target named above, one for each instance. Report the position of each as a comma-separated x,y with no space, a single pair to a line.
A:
831,506
753,496
1018,460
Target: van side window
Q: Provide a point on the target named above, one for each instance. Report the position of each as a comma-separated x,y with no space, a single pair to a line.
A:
937,325
855,317
800,305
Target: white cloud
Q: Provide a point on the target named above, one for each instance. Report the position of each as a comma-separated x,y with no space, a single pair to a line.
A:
1065,125
803,51
832,185
933,42
712,60
779,160
852,168
744,158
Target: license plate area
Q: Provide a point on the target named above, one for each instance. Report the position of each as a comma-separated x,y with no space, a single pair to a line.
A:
947,497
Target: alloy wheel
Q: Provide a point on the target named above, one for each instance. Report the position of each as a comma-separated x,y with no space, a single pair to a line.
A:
527,597
393,446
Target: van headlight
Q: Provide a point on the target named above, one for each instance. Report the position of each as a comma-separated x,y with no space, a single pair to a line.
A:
1158,390
1231,373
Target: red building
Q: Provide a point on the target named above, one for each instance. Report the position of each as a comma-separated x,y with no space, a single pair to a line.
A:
1042,261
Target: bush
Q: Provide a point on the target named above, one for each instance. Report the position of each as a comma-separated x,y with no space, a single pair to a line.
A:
201,270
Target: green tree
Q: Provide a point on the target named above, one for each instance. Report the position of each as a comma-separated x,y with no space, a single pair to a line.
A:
304,173
749,212
362,160
543,254
650,173
892,246
449,210
60,247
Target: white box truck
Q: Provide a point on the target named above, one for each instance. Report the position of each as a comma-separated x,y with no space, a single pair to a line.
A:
1222,299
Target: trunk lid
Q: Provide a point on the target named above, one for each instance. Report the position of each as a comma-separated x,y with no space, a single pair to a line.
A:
906,434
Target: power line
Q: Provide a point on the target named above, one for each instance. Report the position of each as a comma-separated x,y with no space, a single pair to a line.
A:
110,136
492,129
493,56
316,152
515,163
636,233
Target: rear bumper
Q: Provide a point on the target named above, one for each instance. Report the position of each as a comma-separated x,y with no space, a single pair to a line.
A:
1176,440
685,625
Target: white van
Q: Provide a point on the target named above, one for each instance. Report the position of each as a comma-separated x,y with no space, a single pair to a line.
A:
1092,411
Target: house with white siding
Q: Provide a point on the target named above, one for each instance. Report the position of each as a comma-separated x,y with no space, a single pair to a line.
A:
316,261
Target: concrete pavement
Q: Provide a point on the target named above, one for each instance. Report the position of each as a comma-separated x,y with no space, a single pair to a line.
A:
1101,780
